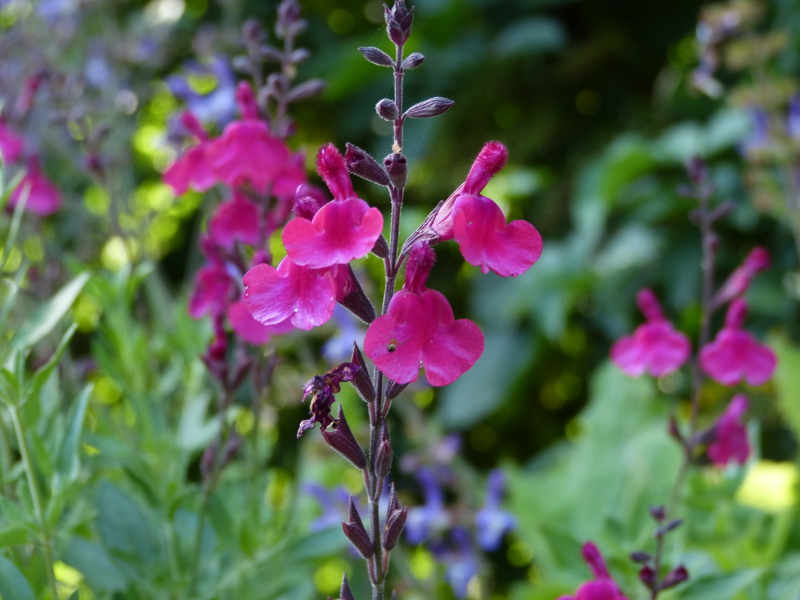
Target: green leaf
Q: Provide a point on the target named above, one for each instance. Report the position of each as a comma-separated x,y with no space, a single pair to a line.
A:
16,536
43,372
787,380
13,513
93,562
123,526
68,461
13,585
721,587
49,314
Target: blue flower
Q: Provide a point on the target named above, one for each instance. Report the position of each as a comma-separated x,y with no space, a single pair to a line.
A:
492,522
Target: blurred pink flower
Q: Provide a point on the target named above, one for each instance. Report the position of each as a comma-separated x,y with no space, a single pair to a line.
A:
419,328
655,346
735,355
235,219
342,230
11,144
250,330
603,587
758,260
730,435
43,198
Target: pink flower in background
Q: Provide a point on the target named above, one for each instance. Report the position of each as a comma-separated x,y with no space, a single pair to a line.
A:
304,295
247,151
11,144
191,169
233,220
758,260
42,197
419,328
603,587
655,346
210,291
342,230
730,435
250,330
735,355
479,226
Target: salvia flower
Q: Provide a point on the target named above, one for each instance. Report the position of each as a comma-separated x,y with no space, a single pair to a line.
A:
191,169
342,230
431,516
235,219
460,561
322,389
479,226
492,522
42,197
758,260
730,435
602,587
735,355
11,144
419,329
655,346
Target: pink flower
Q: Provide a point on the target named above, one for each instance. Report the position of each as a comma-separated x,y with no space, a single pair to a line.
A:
758,260
191,170
342,230
304,295
419,328
603,586
211,291
479,226
730,436
236,219
42,197
250,330
11,144
247,151
655,346
735,354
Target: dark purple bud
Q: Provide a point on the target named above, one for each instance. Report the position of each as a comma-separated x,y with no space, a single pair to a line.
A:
231,449
413,60
659,513
641,557
394,594
377,56
383,459
357,302
277,85
675,432
241,368
387,110
696,170
395,389
721,211
360,163
308,89
362,381
678,575
648,577
207,461
355,532
341,438
251,29
344,592
395,523
674,524
381,248
306,207
270,53
398,22
397,167
432,107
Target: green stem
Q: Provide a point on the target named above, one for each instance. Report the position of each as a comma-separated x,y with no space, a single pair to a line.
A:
37,500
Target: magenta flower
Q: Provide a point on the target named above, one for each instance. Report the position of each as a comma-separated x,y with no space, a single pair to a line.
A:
191,169
250,330
419,327
211,291
304,295
11,144
655,346
479,226
735,355
603,587
236,219
730,436
247,151
342,230
758,260
42,197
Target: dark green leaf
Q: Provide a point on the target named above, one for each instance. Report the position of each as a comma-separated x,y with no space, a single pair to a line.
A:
91,559
13,585
68,461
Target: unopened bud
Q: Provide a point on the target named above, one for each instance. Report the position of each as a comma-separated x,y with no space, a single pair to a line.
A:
395,389
377,56
641,557
674,524
355,532
648,577
696,169
307,89
277,85
344,592
387,110
252,31
357,302
413,60
659,513
398,22
341,438
397,167
678,575
674,431
383,461
432,107
381,247
361,380
395,523
359,162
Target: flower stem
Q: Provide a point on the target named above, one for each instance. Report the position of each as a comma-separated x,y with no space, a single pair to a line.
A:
44,529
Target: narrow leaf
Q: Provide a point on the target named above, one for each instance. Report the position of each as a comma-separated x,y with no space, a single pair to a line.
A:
68,461
13,585
43,373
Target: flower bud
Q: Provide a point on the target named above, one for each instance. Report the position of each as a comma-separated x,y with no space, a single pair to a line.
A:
678,575
387,110
398,22
360,163
357,302
395,523
341,439
641,557
381,248
377,56
659,513
307,89
383,460
355,532
397,167
344,592
413,60
361,381
663,530
648,577
395,389
432,107
697,170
